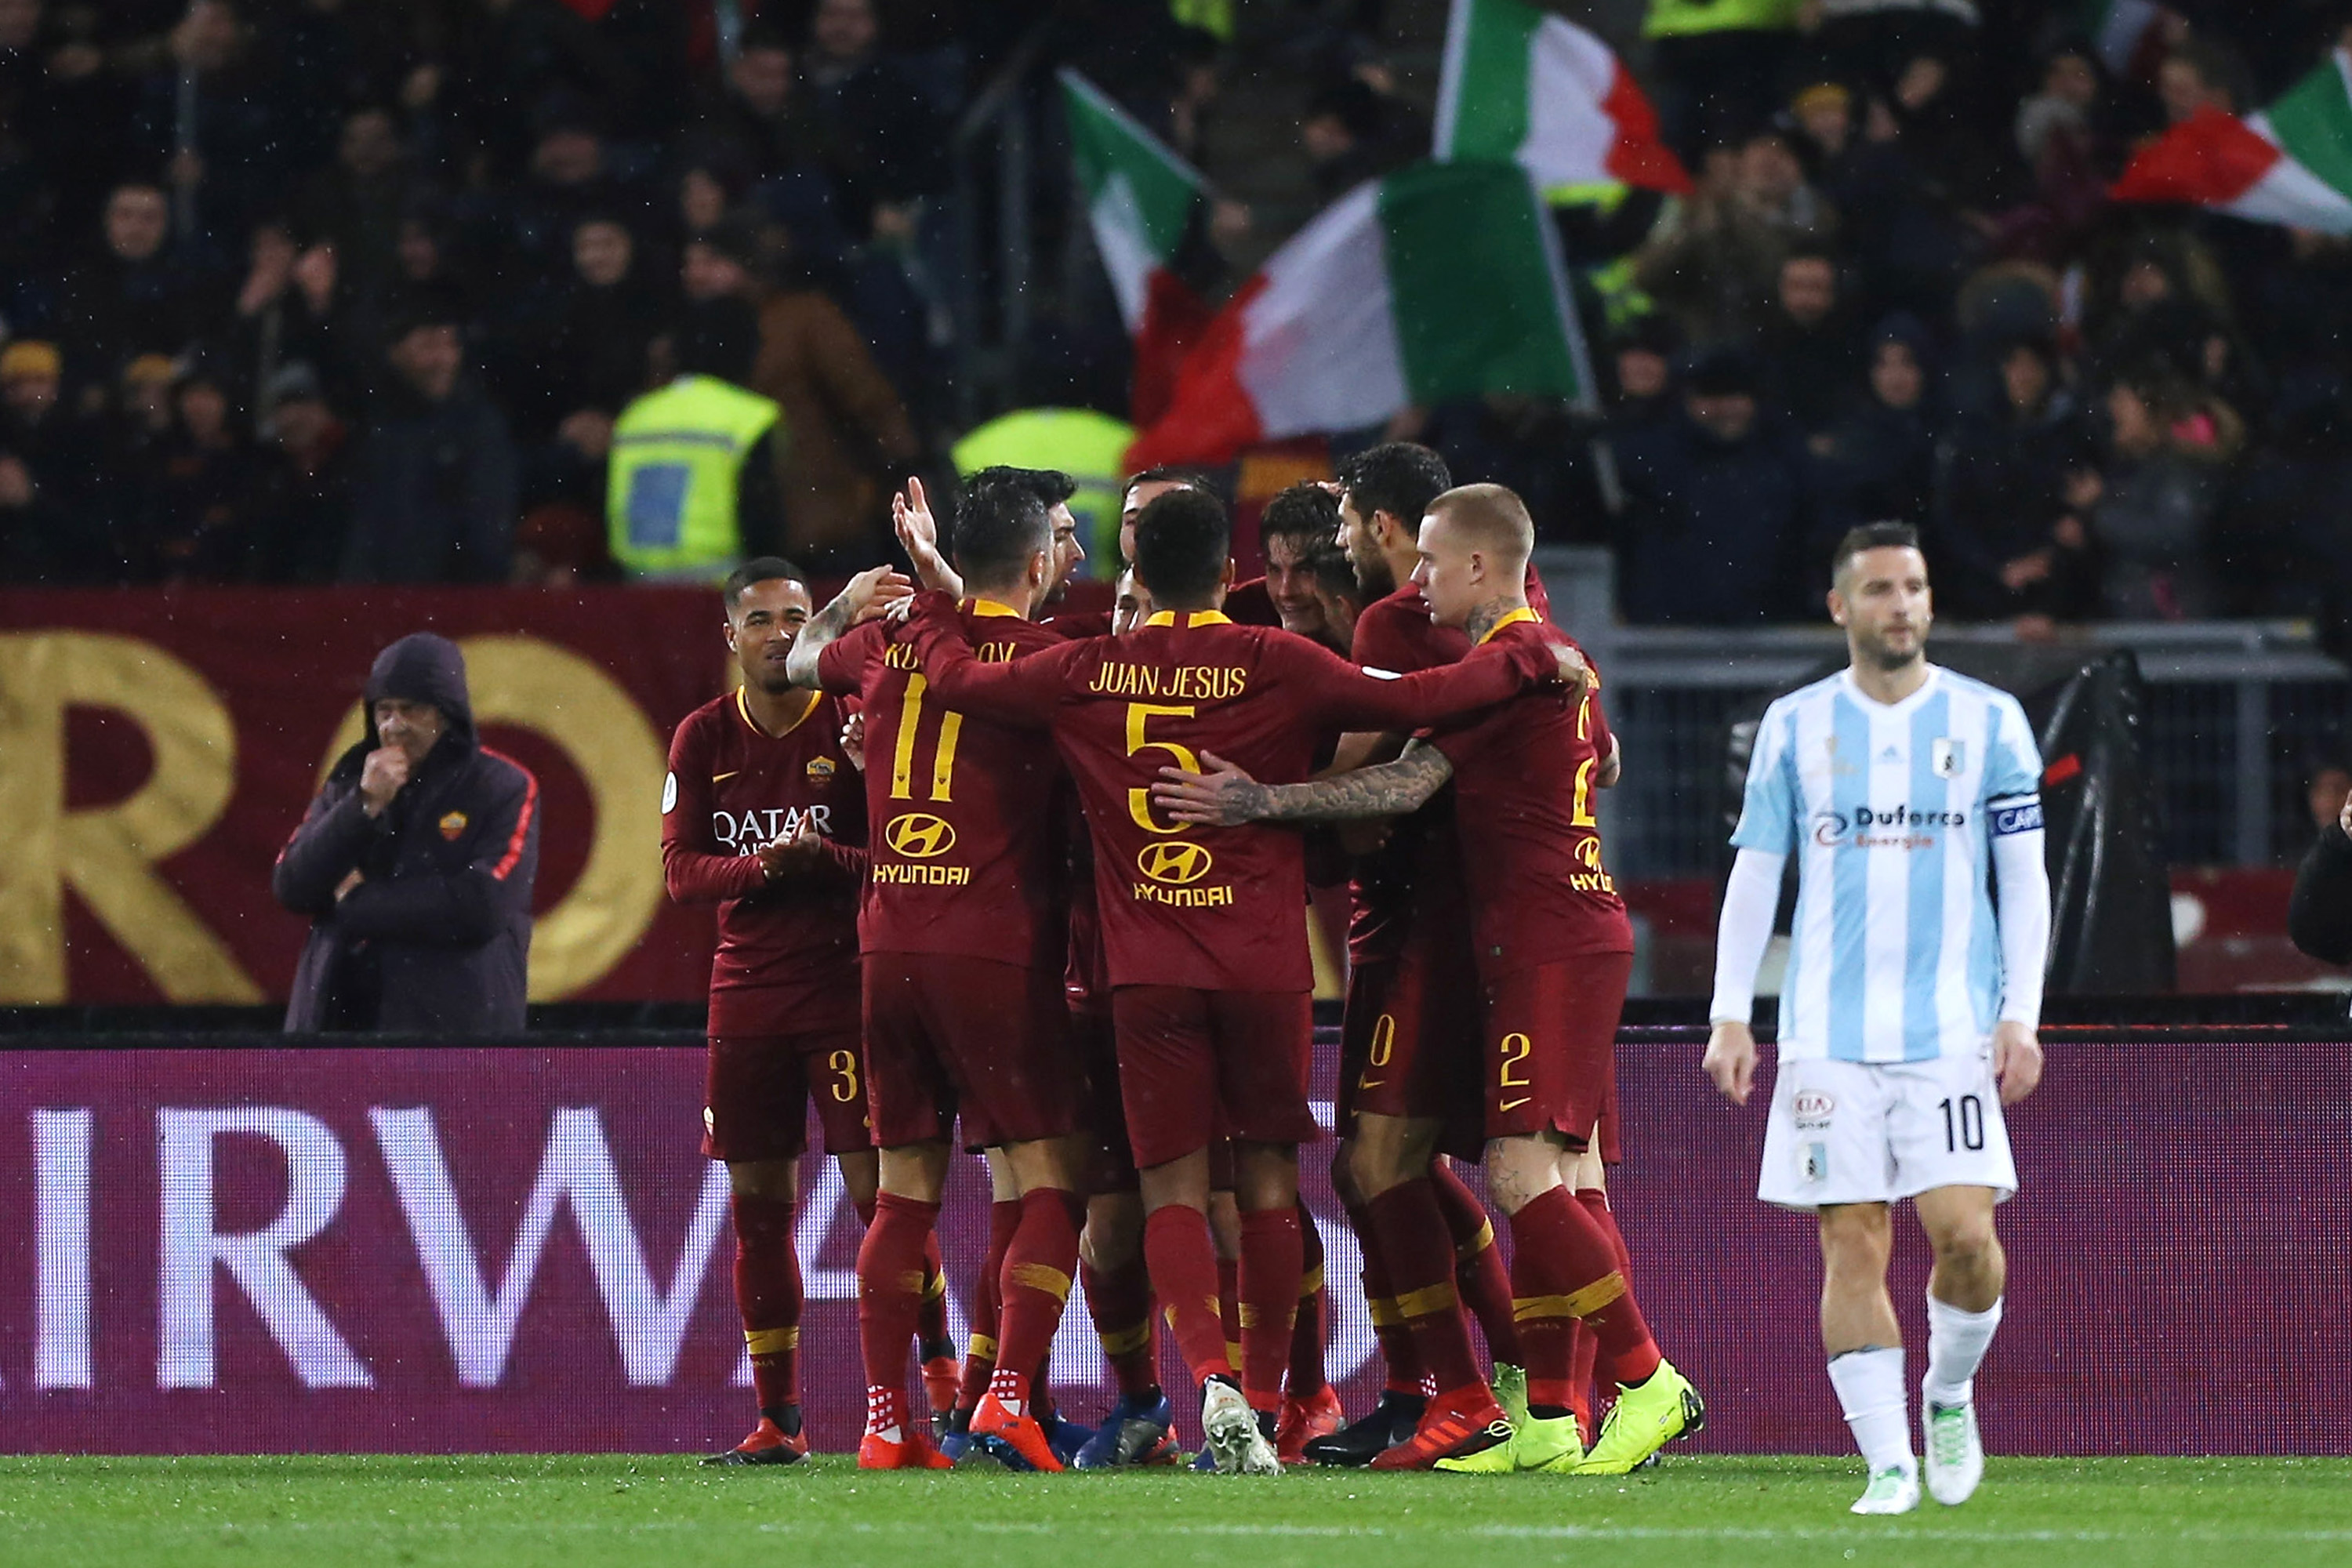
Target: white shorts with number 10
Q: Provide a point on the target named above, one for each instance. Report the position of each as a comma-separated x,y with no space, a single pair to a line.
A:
1861,1132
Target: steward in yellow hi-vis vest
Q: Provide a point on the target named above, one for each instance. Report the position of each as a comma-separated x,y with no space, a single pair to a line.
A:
691,491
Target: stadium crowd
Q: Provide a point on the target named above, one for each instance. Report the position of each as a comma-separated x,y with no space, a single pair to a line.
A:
311,290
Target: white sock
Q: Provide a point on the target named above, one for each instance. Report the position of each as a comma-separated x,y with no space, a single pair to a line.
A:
1957,1343
1870,1386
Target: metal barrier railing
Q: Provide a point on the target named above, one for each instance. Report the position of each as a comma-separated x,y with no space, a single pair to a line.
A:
2238,711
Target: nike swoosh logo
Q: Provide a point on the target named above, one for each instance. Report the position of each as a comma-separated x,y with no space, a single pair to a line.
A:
1515,1104
1370,1082
722,778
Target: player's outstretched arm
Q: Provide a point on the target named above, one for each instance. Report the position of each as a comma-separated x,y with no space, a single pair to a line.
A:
1350,699
1224,797
868,594
919,536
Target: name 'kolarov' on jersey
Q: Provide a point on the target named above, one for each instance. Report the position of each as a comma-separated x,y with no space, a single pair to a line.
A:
1894,954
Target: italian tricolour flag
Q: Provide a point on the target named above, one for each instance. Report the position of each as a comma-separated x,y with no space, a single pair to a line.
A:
1142,201
2291,163
1521,84
1441,281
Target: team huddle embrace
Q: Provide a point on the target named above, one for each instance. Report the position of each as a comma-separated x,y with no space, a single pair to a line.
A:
1036,885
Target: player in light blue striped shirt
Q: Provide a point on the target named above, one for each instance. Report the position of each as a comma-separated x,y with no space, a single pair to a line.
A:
1909,1008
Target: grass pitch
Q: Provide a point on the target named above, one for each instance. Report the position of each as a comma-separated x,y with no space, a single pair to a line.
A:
582,1511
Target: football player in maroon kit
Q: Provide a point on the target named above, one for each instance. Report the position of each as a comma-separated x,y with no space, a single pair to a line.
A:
1110,1252
1553,953
918,531
1406,1034
764,816
965,937
1206,933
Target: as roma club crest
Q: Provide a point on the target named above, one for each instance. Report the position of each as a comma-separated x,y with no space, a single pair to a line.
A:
453,825
820,769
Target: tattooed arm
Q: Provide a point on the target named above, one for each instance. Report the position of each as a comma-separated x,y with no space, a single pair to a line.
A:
867,595
1225,796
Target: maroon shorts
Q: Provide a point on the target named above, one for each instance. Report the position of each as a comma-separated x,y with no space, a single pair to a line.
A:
758,1089
949,1036
1550,1046
1408,1045
1199,1065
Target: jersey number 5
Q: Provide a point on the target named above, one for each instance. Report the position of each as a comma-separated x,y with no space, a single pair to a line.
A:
902,753
1138,716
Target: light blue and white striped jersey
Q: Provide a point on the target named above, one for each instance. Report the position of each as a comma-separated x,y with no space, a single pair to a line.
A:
1894,956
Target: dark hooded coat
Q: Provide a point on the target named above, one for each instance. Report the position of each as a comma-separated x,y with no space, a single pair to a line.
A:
436,935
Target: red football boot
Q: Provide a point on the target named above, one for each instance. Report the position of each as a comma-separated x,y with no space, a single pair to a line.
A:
1466,1421
767,1445
912,1452
1021,1432
1303,1421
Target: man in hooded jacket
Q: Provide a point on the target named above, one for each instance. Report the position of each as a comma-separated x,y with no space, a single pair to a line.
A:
415,863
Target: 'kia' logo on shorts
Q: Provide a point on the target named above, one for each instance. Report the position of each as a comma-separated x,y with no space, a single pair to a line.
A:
1175,862
918,836
1812,1108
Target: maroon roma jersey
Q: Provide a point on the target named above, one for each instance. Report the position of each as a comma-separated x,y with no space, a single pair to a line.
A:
787,958
1522,813
1204,907
969,812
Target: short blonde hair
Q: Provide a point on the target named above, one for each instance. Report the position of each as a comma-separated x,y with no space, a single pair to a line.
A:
1492,515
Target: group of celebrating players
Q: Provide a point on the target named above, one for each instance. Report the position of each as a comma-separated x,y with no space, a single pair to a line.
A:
1047,875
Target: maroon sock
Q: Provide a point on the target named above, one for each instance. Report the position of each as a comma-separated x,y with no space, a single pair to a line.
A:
1596,1204
1268,1282
1389,1330
1563,1268
1421,1265
890,1286
1478,1270
1581,1347
768,1293
1120,1301
931,1321
980,1348
1183,1259
1041,1392
1038,1264
1307,1331
1229,1303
